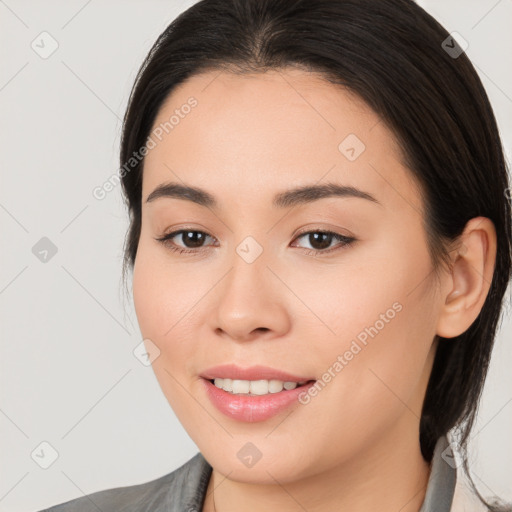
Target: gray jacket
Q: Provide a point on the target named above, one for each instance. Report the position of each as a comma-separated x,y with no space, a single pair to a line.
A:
184,489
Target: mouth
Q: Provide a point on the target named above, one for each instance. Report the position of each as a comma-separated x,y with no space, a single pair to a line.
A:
256,387
254,400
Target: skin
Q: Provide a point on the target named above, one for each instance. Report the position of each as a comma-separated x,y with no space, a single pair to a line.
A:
355,445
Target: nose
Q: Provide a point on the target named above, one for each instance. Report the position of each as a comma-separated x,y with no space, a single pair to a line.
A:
250,302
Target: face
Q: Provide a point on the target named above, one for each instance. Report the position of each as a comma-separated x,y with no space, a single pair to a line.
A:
329,287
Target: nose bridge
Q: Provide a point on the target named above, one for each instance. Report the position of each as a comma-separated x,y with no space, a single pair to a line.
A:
248,276
250,256
248,299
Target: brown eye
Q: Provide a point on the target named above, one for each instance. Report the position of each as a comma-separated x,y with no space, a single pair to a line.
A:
320,241
191,240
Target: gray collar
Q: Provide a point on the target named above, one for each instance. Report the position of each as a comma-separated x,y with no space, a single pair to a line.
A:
442,480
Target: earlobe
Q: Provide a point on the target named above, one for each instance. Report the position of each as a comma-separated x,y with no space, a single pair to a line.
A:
470,278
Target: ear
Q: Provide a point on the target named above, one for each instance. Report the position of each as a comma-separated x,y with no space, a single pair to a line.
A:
470,278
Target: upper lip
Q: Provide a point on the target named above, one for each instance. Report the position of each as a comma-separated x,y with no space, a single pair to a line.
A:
231,371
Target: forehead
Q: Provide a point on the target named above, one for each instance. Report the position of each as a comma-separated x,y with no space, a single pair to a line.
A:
270,130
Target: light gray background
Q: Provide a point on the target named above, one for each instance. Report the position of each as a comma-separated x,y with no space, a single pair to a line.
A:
68,374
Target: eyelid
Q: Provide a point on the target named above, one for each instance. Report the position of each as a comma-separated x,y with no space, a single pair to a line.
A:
321,229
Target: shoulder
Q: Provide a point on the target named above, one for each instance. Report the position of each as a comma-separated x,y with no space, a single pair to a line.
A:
182,489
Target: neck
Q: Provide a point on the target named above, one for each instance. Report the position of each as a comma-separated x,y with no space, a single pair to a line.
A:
390,475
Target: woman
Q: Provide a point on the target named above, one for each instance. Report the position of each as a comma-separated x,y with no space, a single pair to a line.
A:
320,242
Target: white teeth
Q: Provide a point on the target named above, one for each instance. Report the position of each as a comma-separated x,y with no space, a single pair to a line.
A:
258,387
240,386
254,387
274,386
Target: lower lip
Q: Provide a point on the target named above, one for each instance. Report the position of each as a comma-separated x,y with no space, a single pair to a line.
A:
253,408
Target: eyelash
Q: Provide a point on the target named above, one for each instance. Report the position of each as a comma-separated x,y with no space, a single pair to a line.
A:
345,241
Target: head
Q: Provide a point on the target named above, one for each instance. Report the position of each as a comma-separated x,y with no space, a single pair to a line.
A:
248,99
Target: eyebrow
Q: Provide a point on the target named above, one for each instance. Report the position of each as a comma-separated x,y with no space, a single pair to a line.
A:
288,198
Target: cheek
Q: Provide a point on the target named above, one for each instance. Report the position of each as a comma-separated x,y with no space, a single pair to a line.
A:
158,295
377,310
162,292
169,307
148,295
163,300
